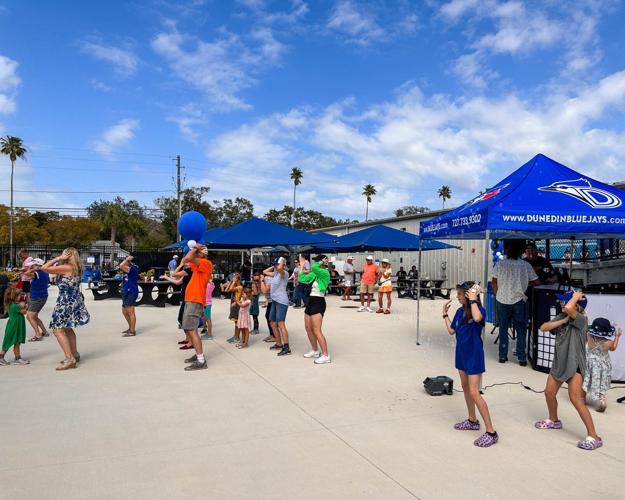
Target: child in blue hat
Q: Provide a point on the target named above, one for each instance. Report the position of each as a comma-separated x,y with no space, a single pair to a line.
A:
569,365
602,337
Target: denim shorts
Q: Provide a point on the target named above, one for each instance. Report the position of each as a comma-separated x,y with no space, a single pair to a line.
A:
278,312
129,299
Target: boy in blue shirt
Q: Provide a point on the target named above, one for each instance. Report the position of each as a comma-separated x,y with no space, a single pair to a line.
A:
130,291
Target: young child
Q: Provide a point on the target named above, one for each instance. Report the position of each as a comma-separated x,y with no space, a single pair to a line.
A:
569,365
254,308
602,337
467,326
208,304
235,288
244,321
15,331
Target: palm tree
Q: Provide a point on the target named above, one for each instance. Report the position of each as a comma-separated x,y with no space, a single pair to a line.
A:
445,193
14,148
368,192
296,177
112,218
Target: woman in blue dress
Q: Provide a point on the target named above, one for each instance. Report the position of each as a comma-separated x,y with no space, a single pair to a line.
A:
467,325
69,311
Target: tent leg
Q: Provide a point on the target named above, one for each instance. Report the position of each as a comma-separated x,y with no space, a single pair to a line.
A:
485,287
418,293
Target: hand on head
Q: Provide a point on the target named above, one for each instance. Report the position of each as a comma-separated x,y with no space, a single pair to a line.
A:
446,307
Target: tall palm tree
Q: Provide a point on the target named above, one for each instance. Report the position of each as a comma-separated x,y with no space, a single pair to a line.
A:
368,192
296,177
445,193
112,218
14,148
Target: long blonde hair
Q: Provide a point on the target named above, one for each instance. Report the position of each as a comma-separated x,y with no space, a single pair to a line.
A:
11,296
74,261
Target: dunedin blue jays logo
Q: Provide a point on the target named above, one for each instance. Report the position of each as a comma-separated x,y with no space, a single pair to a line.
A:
489,194
582,190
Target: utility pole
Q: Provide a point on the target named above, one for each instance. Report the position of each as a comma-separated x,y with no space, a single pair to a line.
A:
178,190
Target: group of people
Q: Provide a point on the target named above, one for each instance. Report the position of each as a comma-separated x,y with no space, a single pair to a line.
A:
581,358
27,302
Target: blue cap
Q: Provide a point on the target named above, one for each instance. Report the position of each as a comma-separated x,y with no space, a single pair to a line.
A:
565,297
276,261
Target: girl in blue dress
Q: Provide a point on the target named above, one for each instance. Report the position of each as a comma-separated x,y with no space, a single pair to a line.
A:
467,325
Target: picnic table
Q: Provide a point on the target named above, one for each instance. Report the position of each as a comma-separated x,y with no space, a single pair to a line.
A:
430,288
151,293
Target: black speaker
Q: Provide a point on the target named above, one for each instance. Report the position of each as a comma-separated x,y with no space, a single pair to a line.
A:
438,386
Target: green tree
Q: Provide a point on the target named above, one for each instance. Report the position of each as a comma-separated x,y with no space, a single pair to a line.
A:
230,212
410,210
14,148
296,177
368,192
444,193
303,219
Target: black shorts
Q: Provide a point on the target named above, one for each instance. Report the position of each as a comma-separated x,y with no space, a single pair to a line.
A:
25,286
316,305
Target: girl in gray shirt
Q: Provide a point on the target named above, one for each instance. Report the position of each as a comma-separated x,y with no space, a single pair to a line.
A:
569,365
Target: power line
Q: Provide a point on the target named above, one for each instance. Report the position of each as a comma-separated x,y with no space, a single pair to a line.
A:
84,192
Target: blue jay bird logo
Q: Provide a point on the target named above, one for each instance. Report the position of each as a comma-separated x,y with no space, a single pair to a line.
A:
582,190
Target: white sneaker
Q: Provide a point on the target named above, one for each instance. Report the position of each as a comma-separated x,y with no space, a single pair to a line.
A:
322,360
312,354
361,309
369,309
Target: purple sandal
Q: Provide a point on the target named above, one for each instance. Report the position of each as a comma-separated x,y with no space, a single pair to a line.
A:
486,440
590,443
467,425
548,424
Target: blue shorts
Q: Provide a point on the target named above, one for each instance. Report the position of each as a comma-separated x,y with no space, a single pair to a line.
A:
278,312
129,299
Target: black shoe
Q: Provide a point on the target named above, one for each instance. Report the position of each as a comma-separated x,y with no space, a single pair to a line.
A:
192,359
523,363
503,360
285,350
275,347
195,366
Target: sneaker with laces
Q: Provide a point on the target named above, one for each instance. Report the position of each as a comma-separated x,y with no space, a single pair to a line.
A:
285,350
192,359
361,309
323,359
369,309
312,354
4,362
195,366
20,361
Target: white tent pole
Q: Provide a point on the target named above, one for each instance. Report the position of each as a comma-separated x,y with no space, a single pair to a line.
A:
485,286
419,291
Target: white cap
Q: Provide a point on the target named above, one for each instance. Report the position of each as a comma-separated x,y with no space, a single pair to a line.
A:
175,257
35,262
350,258
369,257
386,261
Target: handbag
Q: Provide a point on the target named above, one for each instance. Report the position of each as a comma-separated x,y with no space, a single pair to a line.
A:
307,287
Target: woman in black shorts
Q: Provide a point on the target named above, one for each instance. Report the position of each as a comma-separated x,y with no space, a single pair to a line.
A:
318,278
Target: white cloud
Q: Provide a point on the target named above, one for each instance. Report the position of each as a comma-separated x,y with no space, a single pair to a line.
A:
9,82
98,85
187,118
123,60
355,23
408,146
116,137
515,28
221,69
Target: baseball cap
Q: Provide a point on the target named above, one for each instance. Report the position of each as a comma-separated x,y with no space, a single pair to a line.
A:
35,262
466,285
277,260
175,257
565,297
350,258
369,257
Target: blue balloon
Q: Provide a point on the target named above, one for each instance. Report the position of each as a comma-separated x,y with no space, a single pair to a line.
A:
191,225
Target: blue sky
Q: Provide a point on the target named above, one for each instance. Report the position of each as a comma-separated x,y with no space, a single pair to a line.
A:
404,95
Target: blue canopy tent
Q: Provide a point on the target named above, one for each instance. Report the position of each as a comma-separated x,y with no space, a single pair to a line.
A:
382,238
257,233
539,200
207,236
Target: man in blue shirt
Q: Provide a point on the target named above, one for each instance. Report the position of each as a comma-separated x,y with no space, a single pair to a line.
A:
173,264
130,291
39,281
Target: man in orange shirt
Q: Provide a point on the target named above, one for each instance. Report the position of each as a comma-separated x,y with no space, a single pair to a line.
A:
194,298
368,276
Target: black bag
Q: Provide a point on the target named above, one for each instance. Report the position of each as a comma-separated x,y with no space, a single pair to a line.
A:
307,287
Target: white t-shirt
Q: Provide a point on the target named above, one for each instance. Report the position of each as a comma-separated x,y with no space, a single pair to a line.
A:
513,277
348,271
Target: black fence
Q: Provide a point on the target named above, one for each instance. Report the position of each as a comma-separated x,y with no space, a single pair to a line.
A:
565,250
